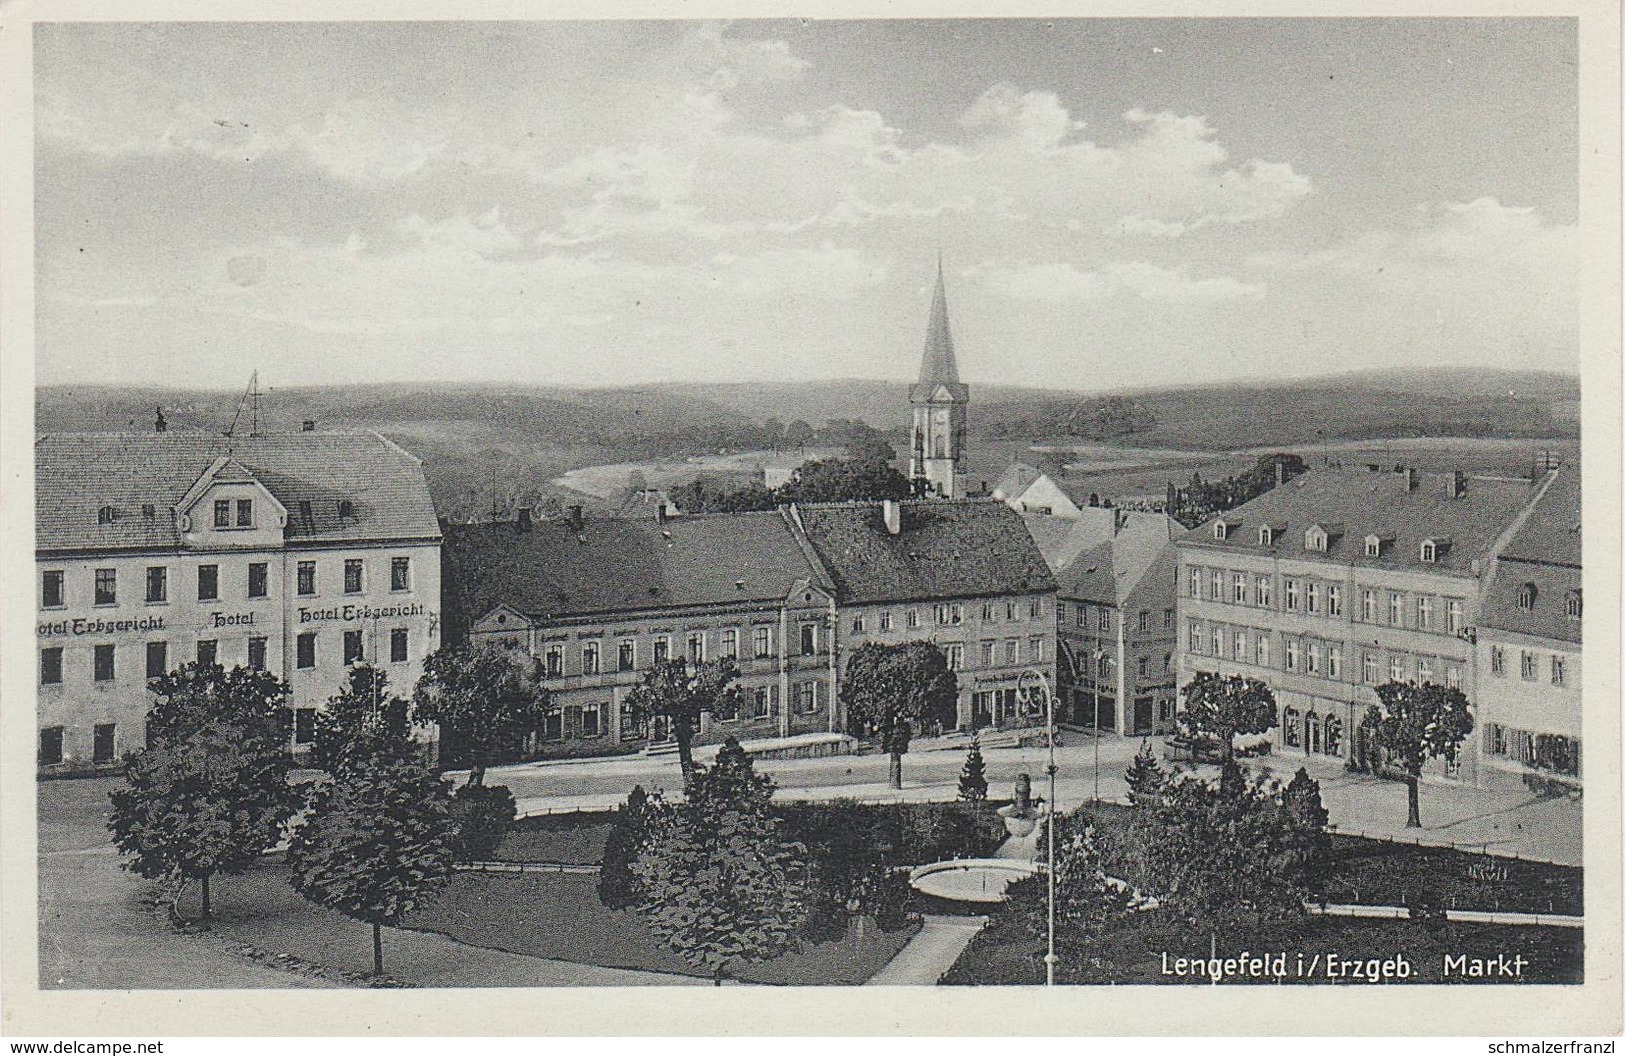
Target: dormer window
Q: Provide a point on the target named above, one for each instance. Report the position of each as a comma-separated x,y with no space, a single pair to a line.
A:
346,510
106,515
1266,536
1222,527
306,518
1376,544
148,511
1571,604
1526,597
1315,539
1430,551
245,513
222,513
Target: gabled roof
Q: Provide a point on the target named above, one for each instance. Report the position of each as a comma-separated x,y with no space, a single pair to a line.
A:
938,368
1544,552
617,565
1380,504
945,549
76,474
1115,567
1015,480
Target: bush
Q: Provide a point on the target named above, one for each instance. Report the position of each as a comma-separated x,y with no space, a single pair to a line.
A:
483,814
617,887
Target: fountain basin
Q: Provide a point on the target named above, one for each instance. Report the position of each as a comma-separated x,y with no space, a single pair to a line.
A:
969,879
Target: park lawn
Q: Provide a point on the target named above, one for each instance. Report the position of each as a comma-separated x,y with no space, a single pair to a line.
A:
1367,872
559,916
571,839
1008,951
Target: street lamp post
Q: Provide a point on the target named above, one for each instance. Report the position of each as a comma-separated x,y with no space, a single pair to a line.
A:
1094,685
1049,719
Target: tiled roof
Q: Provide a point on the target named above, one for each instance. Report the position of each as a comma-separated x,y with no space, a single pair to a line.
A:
946,549
1111,570
76,474
623,565
1062,539
1545,554
1367,503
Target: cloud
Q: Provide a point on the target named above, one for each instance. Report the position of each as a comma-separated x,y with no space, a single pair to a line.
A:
1063,282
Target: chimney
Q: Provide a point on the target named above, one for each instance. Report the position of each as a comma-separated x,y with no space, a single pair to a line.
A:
160,425
575,517
1094,498
1280,473
307,426
1456,484
892,511
1410,477
524,522
660,512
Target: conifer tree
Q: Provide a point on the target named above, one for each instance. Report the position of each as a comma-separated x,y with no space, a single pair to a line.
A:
1145,775
973,778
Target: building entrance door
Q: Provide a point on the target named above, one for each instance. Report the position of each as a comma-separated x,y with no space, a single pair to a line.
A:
1142,715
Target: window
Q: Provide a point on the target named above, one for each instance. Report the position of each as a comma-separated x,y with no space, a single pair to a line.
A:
730,643
1083,614
1396,668
222,513
307,578
696,647
764,700
1195,583
1035,608
1218,641
1396,610
50,666
1452,674
1010,611
1368,606
1167,619
104,663
352,575
809,639
51,593
352,647
208,582
1103,619
305,650
1453,623
1430,551
1334,599
989,651
590,725
304,725
1142,667
857,624
1216,585
1528,665
1106,669
208,651
1526,597
807,697
762,642
1035,649
1012,648
553,661
989,613
1262,650
107,586
1291,654
1145,621
256,654
1498,660
627,653
1334,660
553,725
103,742
157,659
662,650
1238,645
397,645
1194,637
1312,597
1167,663
950,615
885,621
956,656
1261,591
1238,588
1571,604
245,513
589,656
50,745
400,573
106,515
1495,739
913,618
1373,546
157,584
1311,658
1424,669
346,510
1370,672
1290,589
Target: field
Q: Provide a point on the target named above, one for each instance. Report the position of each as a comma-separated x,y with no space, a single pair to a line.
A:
608,481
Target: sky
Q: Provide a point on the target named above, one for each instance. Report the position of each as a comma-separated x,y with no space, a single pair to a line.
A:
1115,203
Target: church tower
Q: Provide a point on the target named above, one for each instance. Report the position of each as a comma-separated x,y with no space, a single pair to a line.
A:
939,399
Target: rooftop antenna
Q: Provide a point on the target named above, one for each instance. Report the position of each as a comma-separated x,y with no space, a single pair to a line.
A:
251,395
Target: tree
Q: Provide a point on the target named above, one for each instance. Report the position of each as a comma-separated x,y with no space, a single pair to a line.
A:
894,689
1415,723
617,887
844,480
362,719
682,693
210,793
1145,775
1221,707
378,843
797,433
773,432
973,777
484,698
1306,827
721,884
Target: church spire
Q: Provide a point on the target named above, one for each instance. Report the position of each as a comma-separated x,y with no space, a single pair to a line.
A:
938,366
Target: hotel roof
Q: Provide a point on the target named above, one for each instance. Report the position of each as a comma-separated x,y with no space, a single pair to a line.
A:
77,475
